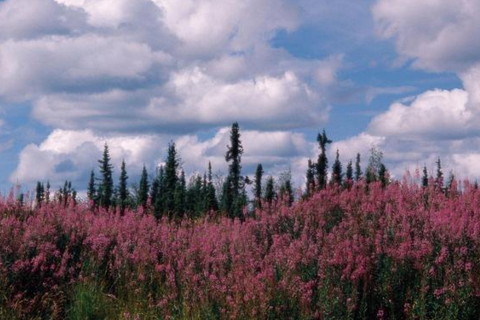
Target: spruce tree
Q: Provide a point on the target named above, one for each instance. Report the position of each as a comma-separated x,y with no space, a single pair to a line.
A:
233,197
170,181
383,175
143,188
337,175
310,177
91,191
212,202
105,190
349,172
123,188
159,203
258,186
39,193
425,177
322,163
286,189
439,177
358,169
179,196
47,192
270,194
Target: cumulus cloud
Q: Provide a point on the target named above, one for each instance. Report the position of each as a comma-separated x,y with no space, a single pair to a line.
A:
438,35
159,65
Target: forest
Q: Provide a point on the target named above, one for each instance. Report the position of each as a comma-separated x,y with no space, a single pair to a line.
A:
354,244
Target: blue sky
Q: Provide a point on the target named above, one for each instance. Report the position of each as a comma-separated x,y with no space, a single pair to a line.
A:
397,75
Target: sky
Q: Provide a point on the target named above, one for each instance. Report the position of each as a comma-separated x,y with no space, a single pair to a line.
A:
401,76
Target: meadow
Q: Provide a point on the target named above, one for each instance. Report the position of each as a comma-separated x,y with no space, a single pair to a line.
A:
400,251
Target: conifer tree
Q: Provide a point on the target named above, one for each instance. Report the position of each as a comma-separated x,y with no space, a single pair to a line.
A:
337,175
233,197
91,191
47,192
270,194
143,188
322,163
349,173
310,177
123,188
39,193
286,189
425,177
179,196
212,202
439,177
383,175
258,186
158,203
358,169
170,181
105,190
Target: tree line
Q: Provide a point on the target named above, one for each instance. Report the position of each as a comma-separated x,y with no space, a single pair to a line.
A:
167,194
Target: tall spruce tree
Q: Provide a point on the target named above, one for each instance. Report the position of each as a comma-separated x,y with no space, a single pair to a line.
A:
180,196
170,181
105,189
337,175
425,177
39,193
270,194
310,177
91,190
358,168
158,203
349,172
439,177
123,188
211,197
233,197
143,188
286,189
322,163
258,186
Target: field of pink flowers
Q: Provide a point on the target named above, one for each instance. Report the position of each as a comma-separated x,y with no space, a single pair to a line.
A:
400,252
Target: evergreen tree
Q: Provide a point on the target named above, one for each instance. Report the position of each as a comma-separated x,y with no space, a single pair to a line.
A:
286,190
159,204
212,203
374,165
154,193
337,175
358,169
170,181
179,196
234,197
349,173
47,192
91,191
143,188
270,194
383,175
310,176
425,177
322,163
105,190
39,193
439,178
258,186
123,188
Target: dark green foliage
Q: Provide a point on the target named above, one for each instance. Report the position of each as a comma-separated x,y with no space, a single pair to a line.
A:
337,175
358,169
322,163
105,189
374,165
258,186
122,188
91,190
270,194
211,197
310,176
286,189
39,193
349,174
383,175
158,200
67,194
233,196
425,177
439,177
143,188
179,196
170,181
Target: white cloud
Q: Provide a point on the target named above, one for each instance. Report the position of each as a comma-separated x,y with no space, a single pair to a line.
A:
440,35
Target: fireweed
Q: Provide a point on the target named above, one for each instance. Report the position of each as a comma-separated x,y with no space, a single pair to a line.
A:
400,252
